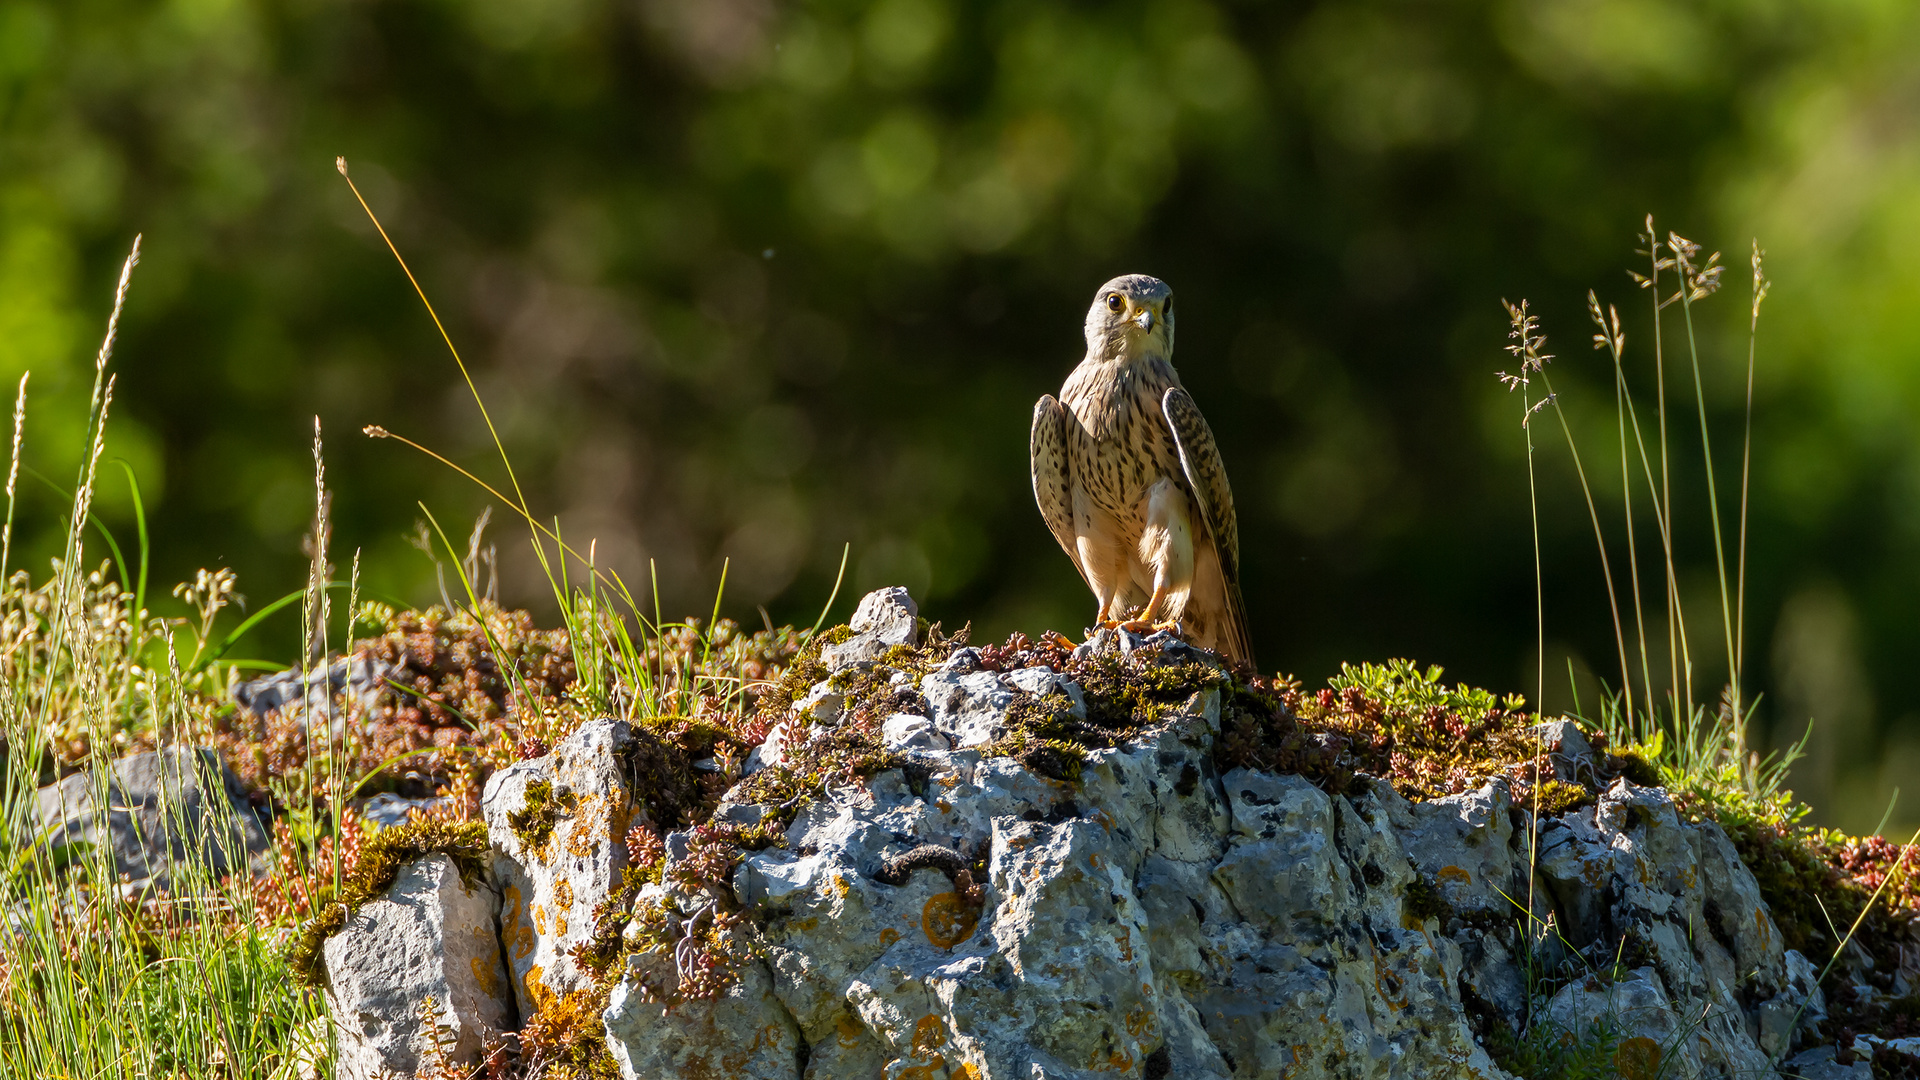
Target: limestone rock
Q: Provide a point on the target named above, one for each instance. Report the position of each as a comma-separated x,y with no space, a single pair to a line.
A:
558,826
970,709
429,936
1567,749
1629,869
164,809
1637,1009
745,1035
1820,1064
885,618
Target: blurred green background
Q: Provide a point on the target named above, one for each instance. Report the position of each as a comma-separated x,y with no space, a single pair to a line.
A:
757,279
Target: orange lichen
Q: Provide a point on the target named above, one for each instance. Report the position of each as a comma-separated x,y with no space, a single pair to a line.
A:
947,920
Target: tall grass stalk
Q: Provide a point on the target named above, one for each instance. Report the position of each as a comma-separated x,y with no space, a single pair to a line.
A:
1699,281
95,979
1682,667
1527,342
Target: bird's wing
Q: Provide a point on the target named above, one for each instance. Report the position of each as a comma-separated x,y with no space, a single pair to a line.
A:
1051,479
1207,479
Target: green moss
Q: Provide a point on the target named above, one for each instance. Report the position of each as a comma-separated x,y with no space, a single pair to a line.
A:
1423,901
381,858
1556,797
1633,765
533,823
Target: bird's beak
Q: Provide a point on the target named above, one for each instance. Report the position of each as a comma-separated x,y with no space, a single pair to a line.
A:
1144,320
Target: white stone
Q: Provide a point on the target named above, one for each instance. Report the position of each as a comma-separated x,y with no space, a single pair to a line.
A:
1043,681
745,1035
911,731
885,618
549,889
428,936
969,709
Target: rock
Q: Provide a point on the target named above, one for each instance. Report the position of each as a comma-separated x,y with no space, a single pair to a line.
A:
1629,868
1819,1064
911,731
1567,749
1635,1009
429,936
969,709
963,917
1157,919
821,704
360,678
884,619
1041,681
745,1035
558,827
386,809
167,811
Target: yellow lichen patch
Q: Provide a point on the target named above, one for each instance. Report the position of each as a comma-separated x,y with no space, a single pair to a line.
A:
563,894
1125,940
483,976
1455,873
929,1035
539,918
889,936
932,1070
1140,1021
1637,1058
536,987
966,1071
848,1030
947,920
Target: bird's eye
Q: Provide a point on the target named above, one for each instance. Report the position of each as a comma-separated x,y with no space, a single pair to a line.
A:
1114,303
1167,311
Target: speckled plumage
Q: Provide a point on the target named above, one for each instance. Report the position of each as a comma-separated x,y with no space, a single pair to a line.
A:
1130,482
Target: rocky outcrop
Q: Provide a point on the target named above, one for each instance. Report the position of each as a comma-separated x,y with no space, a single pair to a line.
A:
557,824
964,915
414,979
159,814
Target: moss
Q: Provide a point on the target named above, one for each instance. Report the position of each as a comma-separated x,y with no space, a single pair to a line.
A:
1636,768
567,1034
1556,797
533,823
1423,901
381,858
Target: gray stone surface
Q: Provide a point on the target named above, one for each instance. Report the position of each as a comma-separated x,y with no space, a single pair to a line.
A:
965,918
168,814
428,936
549,886
885,618
745,1035
1820,1064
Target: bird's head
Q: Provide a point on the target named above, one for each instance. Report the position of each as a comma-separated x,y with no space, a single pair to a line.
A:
1131,317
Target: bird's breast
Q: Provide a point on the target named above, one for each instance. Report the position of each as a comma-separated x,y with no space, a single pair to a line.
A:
1120,445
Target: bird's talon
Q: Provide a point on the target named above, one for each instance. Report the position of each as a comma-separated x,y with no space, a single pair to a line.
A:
1055,637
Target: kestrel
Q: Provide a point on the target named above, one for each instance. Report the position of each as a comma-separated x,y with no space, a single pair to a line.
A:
1128,478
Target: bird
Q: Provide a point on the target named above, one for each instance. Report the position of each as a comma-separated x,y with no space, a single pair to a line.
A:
1130,482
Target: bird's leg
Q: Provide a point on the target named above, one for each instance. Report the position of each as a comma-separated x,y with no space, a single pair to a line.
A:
1166,545
1149,621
